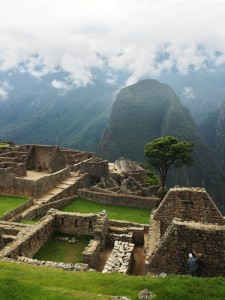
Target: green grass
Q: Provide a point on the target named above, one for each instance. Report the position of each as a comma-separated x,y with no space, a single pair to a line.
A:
32,222
62,251
9,203
18,281
130,214
2,145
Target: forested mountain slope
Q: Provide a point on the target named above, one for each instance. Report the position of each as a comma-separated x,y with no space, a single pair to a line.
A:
147,110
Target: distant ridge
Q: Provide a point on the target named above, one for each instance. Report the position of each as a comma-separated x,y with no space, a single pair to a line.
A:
147,110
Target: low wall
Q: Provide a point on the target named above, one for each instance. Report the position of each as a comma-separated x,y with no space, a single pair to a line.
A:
121,258
13,213
31,241
91,254
126,231
40,211
119,199
51,264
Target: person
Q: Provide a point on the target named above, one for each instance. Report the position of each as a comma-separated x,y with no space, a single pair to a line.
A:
193,264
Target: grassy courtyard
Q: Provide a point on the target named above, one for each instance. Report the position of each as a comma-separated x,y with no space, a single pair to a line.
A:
63,251
130,214
9,203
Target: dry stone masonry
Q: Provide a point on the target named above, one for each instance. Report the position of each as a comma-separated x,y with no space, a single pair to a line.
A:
186,220
121,258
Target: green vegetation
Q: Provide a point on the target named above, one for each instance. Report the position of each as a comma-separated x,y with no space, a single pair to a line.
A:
62,251
152,178
165,152
76,119
130,214
3,145
24,221
18,281
9,203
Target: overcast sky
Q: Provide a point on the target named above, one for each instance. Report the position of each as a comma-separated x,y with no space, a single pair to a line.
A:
80,35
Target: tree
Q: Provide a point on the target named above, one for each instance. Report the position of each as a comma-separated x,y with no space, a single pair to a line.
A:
165,152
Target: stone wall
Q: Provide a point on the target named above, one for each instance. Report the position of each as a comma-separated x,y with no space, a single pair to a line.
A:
91,254
14,168
47,182
31,241
40,211
180,239
47,157
96,169
187,204
121,258
75,223
10,185
58,161
50,264
13,213
119,199
74,157
127,232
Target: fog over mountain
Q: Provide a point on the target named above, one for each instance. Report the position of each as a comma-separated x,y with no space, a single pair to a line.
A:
63,62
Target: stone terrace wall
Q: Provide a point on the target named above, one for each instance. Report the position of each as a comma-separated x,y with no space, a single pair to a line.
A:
10,185
17,169
119,199
29,243
91,254
45,183
183,237
13,213
52,264
40,211
187,204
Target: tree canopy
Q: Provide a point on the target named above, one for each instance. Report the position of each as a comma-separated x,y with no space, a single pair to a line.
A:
165,152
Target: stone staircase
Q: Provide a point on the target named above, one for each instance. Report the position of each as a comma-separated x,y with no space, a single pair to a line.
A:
62,190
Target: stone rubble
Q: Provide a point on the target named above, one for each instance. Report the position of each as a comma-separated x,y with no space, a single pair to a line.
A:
120,259
52,264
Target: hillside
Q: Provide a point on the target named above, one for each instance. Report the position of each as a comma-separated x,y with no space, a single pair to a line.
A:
19,281
212,130
147,110
35,112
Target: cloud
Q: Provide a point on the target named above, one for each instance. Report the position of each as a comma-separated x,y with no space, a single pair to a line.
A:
189,93
142,37
4,89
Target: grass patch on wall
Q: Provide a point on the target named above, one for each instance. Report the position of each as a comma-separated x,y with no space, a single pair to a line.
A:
20,281
10,203
63,251
131,214
31,222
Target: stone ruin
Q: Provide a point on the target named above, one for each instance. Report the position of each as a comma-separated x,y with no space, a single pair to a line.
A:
186,220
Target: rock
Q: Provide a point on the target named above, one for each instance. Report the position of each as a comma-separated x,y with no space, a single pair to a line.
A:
162,275
145,295
119,298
